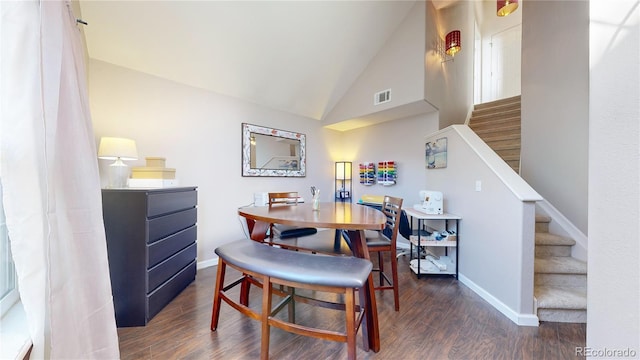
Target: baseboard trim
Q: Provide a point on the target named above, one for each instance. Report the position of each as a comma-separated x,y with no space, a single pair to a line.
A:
207,263
517,318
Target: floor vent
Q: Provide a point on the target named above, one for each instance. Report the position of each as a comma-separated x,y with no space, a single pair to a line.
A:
382,97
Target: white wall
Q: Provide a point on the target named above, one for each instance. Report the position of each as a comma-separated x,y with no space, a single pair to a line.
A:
434,76
555,98
399,140
613,316
456,90
199,134
397,66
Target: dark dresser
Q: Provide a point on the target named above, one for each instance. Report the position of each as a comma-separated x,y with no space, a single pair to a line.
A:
151,243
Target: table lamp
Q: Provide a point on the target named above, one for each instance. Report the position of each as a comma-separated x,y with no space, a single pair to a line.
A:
118,149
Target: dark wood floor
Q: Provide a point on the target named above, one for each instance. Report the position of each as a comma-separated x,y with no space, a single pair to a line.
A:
439,318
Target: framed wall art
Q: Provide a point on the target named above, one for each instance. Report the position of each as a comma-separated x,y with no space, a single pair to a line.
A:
436,154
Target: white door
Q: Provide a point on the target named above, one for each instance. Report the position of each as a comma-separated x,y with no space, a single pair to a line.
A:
505,63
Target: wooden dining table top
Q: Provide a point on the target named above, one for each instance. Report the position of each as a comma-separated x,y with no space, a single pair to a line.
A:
345,216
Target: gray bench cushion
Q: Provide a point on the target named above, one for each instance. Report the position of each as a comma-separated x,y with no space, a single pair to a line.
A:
296,266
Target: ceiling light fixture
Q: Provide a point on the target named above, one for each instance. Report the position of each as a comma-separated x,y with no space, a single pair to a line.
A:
506,7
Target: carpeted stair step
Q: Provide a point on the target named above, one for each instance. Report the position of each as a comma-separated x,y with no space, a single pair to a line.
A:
542,223
493,123
561,280
496,117
506,146
548,245
514,165
497,123
561,304
506,129
500,108
559,265
498,102
560,271
502,139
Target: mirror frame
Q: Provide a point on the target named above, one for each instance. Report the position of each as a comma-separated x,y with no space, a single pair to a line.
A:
247,170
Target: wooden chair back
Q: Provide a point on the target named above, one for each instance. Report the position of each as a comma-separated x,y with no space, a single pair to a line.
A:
386,242
392,209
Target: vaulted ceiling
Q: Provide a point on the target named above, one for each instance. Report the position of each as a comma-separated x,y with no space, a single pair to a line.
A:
296,56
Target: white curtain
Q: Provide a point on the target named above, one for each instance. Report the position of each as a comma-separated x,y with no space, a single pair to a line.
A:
49,173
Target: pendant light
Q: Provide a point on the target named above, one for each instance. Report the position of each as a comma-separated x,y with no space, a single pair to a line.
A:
506,7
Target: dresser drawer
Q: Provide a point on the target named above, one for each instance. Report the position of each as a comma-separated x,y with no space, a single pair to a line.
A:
167,291
164,203
166,269
164,226
151,242
170,245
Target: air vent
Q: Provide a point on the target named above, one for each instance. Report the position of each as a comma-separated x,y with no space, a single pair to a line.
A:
382,97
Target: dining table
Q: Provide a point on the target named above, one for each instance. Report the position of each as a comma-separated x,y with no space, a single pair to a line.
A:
351,219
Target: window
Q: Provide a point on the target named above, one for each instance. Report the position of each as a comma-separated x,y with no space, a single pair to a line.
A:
8,290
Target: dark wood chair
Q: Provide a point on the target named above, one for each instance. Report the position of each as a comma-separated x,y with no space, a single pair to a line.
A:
303,239
385,241
289,198
275,266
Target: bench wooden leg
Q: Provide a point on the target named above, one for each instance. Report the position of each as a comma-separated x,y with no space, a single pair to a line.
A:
215,313
355,316
266,313
244,291
351,323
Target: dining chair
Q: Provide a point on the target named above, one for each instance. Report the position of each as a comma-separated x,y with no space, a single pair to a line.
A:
385,241
289,198
303,238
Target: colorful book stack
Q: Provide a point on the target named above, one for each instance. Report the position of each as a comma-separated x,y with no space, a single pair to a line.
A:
367,173
387,173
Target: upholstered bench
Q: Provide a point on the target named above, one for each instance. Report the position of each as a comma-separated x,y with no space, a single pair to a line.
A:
299,270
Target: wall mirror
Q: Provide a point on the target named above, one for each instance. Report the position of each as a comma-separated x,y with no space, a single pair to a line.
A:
272,152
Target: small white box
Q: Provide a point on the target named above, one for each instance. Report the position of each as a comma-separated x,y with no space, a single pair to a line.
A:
261,199
152,183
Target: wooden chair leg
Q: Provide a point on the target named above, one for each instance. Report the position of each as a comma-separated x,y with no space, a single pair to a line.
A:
266,313
381,267
215,313
396,290
363,325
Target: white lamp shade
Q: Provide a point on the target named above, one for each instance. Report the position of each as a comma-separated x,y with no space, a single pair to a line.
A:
112,148
343,170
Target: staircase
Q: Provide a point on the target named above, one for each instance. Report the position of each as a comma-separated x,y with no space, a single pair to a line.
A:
560,280
560,289
498,124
